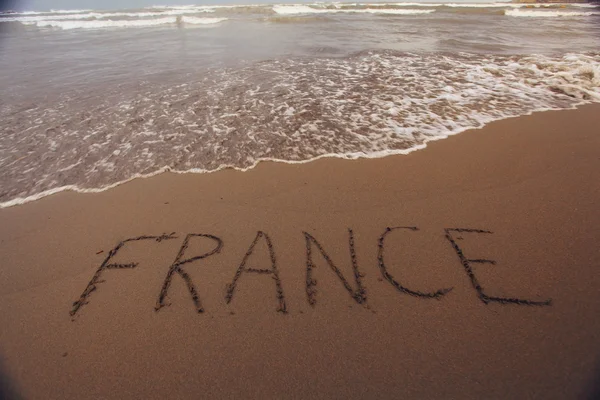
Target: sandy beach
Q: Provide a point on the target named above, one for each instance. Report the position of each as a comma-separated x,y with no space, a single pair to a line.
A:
490,220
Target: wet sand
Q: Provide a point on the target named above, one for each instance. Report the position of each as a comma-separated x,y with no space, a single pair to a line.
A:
526,189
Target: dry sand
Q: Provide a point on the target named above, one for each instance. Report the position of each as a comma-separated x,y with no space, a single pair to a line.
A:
532,181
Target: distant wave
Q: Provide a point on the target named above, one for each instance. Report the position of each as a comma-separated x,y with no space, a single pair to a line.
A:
96,24
31,16
549,14
469,5
194,14
69,11
297,9
583,5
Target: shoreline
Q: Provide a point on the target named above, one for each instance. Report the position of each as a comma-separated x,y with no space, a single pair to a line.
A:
354,156
519,199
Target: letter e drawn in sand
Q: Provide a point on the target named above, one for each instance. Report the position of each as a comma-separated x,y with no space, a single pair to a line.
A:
359,295
381,244
176,267
105,265
272,271
467,265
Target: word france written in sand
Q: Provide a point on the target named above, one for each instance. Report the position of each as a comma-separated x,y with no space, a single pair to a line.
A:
356,291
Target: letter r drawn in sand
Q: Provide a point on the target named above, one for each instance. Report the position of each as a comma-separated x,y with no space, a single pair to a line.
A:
177,267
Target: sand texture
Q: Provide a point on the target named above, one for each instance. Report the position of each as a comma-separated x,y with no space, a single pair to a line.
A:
285,281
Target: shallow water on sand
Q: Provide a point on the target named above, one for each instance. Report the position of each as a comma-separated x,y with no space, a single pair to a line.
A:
93,98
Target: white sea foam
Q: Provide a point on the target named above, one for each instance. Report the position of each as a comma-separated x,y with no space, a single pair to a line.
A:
188,7
548,13
69,11
69,24
369,105
296,9
472,5
45,17
346,156
392,11
98,24
64,17
103,15
407,4
508,5
476,5
189,11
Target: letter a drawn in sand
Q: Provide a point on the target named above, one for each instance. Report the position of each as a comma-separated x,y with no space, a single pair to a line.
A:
271,271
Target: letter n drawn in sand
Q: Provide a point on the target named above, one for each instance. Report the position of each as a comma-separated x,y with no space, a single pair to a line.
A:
436,295
105,265
177,267
467,265
271,271
359,295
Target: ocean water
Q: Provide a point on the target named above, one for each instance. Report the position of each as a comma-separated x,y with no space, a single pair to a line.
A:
93,98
